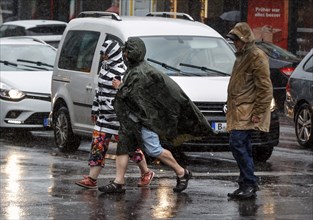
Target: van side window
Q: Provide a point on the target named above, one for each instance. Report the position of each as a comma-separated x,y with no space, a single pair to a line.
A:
78,50
113,37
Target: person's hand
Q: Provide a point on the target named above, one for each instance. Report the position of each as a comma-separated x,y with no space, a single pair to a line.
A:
255,119
116,83
94,118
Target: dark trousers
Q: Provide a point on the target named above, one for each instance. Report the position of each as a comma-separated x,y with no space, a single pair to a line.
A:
240,144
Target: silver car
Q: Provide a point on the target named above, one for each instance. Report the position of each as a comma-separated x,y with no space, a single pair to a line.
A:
25,85
299,100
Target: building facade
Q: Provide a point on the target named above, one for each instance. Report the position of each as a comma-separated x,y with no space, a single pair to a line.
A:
287,23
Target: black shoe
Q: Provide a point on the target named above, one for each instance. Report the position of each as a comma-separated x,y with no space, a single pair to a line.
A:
112,188
242,185
235,193
247,193
256,188
182,182
241,191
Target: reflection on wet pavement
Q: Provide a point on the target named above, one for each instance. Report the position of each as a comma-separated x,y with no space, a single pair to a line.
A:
38,183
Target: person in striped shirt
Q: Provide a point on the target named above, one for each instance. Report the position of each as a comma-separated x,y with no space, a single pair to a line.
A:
106,122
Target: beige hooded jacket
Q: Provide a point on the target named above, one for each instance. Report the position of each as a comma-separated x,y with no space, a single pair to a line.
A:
250,88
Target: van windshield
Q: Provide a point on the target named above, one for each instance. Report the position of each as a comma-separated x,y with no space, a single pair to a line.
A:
192,56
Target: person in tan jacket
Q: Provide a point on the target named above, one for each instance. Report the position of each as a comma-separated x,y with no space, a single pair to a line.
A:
250,93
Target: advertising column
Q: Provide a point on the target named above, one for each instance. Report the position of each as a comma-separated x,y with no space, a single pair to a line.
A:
269,20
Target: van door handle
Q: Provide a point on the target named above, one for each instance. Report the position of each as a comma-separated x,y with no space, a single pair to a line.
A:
88,87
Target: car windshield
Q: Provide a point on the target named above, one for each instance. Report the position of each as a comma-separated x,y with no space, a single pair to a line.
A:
274,51
26,57
189,55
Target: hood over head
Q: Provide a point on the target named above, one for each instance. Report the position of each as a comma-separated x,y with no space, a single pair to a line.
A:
243,32
136,49
112,49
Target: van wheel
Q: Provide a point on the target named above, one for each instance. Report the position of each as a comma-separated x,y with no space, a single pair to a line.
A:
64,137
262,153
303,126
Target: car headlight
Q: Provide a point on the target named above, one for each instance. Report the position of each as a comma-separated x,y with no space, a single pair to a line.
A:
8,93
273,105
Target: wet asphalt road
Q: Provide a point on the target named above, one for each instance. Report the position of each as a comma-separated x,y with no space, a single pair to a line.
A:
37,182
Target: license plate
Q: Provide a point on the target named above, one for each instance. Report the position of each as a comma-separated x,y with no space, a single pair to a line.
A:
219,126
45,122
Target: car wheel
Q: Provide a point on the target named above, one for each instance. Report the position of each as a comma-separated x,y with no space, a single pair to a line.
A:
64,137
262,153
303,126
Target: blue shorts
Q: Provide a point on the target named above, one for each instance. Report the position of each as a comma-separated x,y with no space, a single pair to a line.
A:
151,142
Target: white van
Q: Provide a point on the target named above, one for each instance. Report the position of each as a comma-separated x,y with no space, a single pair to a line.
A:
193,54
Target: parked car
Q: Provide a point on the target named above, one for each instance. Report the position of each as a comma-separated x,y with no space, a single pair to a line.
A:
193,54
25,85
282,64
49,31
299,100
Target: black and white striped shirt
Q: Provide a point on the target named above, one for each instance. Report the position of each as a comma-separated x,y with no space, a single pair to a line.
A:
102,105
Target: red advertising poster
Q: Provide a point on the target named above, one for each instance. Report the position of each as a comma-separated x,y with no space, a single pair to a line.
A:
269,20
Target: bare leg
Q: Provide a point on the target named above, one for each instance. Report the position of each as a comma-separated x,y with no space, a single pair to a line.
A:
167,158
117,186
121,167
183,175
95,171
152,144
143,166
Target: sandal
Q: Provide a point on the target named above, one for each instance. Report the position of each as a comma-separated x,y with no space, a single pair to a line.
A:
182,182
112,188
